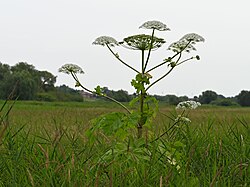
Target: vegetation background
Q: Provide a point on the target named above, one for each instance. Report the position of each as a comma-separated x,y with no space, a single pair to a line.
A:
33,84
47,141
46,144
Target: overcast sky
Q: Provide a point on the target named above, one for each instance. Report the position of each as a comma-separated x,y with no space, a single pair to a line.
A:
50,33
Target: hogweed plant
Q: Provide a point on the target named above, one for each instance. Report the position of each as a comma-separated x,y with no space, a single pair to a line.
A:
144,80
115,131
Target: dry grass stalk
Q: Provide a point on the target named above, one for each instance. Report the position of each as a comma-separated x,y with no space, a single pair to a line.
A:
59,167
161,181
46,154
31,178
73,160
3,131
215,177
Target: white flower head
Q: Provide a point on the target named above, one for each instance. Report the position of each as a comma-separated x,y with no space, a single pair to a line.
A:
182,119
193,38
142,42
188,105
181,45
70,68
105,40
155,25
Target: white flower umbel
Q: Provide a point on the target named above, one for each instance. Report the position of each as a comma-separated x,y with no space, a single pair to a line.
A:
155,25
181,45
188,105
142,42
105,40
70,68
193,38
181,118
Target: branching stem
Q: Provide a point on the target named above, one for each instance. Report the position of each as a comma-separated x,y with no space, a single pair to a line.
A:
169,59
122,60
105,96
162,77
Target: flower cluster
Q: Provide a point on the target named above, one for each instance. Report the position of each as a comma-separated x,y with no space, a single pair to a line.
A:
105,40
70,68
154,25
142,42
182,119
181,45
192,37
188,105
185,43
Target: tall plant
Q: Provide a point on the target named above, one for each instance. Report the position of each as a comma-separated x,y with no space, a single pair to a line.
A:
144,80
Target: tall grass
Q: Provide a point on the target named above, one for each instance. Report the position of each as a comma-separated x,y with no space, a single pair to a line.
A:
46,145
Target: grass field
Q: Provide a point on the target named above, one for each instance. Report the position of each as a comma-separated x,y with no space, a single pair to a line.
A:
45,144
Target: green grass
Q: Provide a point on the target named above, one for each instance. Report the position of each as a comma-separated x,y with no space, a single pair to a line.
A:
45,144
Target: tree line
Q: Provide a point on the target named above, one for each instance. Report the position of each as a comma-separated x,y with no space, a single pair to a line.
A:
25,82
207,97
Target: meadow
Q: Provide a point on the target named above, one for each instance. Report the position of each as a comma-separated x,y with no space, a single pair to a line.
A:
48,144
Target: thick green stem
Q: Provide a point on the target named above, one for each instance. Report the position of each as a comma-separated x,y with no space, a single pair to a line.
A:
150,49
142,62
142,95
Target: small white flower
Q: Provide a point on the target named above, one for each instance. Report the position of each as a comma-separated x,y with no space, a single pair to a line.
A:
70,68
173,162
105,40
154,25
182,119
181,45
188,105
192,37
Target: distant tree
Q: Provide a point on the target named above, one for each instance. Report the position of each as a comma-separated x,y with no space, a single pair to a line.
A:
4,74
44,79
25,86
23,66
196,98
26,80
4,71
224,102
171,99
65,89
243,98
120,95
47,80
207,97
221,96
183,98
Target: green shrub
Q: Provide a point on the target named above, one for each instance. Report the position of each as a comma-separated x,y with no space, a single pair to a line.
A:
45,96
224,102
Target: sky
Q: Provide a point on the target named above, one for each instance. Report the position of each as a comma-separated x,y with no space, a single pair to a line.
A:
51,33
